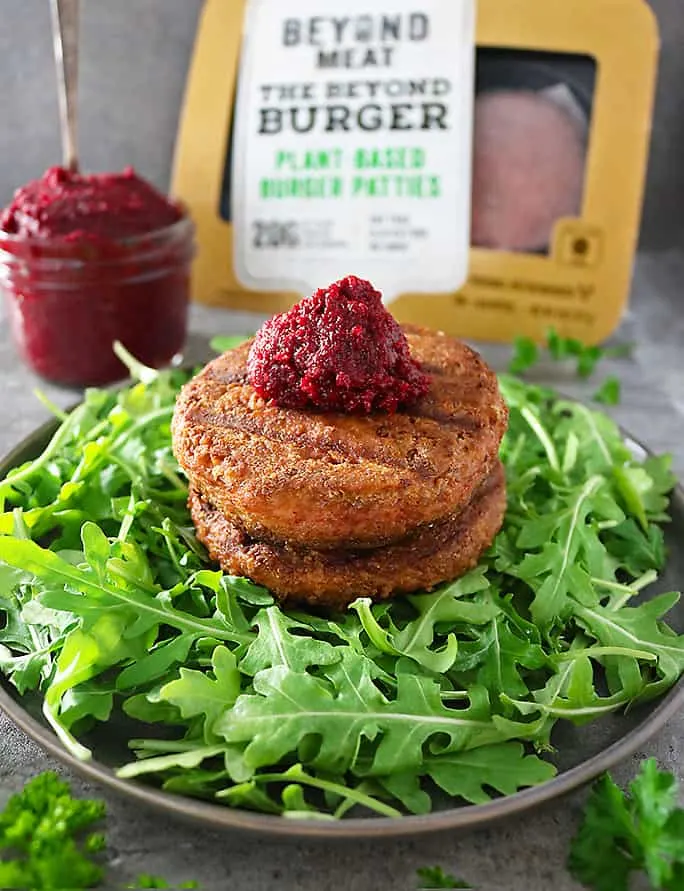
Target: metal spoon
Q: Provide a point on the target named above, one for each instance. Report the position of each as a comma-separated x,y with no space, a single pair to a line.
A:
65,19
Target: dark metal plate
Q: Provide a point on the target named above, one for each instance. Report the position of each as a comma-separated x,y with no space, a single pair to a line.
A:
582,753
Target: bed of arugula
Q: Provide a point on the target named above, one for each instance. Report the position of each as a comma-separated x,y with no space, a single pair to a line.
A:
108,605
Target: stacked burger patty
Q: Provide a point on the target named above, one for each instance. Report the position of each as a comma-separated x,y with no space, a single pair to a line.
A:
325,507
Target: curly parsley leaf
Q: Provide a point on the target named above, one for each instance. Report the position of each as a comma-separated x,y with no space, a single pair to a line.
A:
526,354
145,880
621,834
432,878
46,842
609,392
46,834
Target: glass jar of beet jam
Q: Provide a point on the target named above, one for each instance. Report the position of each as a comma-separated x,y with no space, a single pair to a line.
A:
74,282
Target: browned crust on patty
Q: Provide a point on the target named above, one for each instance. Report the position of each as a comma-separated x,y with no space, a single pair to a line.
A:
332,579
326,480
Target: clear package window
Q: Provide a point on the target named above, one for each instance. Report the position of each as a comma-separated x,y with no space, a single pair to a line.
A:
532,120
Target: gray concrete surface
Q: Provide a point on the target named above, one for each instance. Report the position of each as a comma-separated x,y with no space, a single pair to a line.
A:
135,54
525,854
134,59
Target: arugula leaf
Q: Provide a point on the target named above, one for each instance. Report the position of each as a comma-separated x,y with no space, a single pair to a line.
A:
276,644
186,758
622,834
552,572
447,605
506,653
195,693
156,663
504,768
287,707
640,628
473,775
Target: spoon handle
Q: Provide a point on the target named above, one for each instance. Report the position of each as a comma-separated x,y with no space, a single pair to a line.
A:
65,21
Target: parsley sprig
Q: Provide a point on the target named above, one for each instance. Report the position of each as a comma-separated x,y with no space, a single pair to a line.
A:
432,878
46,840
527,353
642,830
621,833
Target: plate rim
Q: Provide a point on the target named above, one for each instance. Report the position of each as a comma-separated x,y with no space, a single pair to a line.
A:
220,817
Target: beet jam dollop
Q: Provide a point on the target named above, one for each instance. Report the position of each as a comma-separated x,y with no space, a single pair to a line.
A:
338,350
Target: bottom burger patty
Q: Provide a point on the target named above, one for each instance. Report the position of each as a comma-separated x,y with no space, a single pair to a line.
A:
435,553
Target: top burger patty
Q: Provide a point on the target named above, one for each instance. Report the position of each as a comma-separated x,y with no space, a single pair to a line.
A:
329,480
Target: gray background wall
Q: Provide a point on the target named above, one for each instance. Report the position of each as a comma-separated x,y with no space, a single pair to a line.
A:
135,56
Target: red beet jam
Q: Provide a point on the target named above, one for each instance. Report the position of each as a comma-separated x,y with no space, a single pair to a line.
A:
87,260
338,350
104,207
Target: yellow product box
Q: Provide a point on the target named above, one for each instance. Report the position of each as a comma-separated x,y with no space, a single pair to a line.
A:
483,164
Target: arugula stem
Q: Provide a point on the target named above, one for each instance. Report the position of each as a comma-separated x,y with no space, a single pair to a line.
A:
560,712
543,437
127,519
70,743
348,803
591,423
593,652
190,758
297,774
60,437
627,591
377,634
170,474
165,745
143,422
55,410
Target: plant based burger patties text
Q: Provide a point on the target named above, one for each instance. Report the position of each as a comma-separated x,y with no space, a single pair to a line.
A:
325,505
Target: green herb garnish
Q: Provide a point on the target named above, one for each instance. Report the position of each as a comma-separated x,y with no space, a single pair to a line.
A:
110,606
432,878
46,841
44,834
526,353
621,834
609,392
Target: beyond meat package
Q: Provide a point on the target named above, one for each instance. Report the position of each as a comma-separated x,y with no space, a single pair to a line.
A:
372,138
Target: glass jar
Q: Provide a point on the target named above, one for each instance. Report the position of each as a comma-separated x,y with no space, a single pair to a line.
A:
69,300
